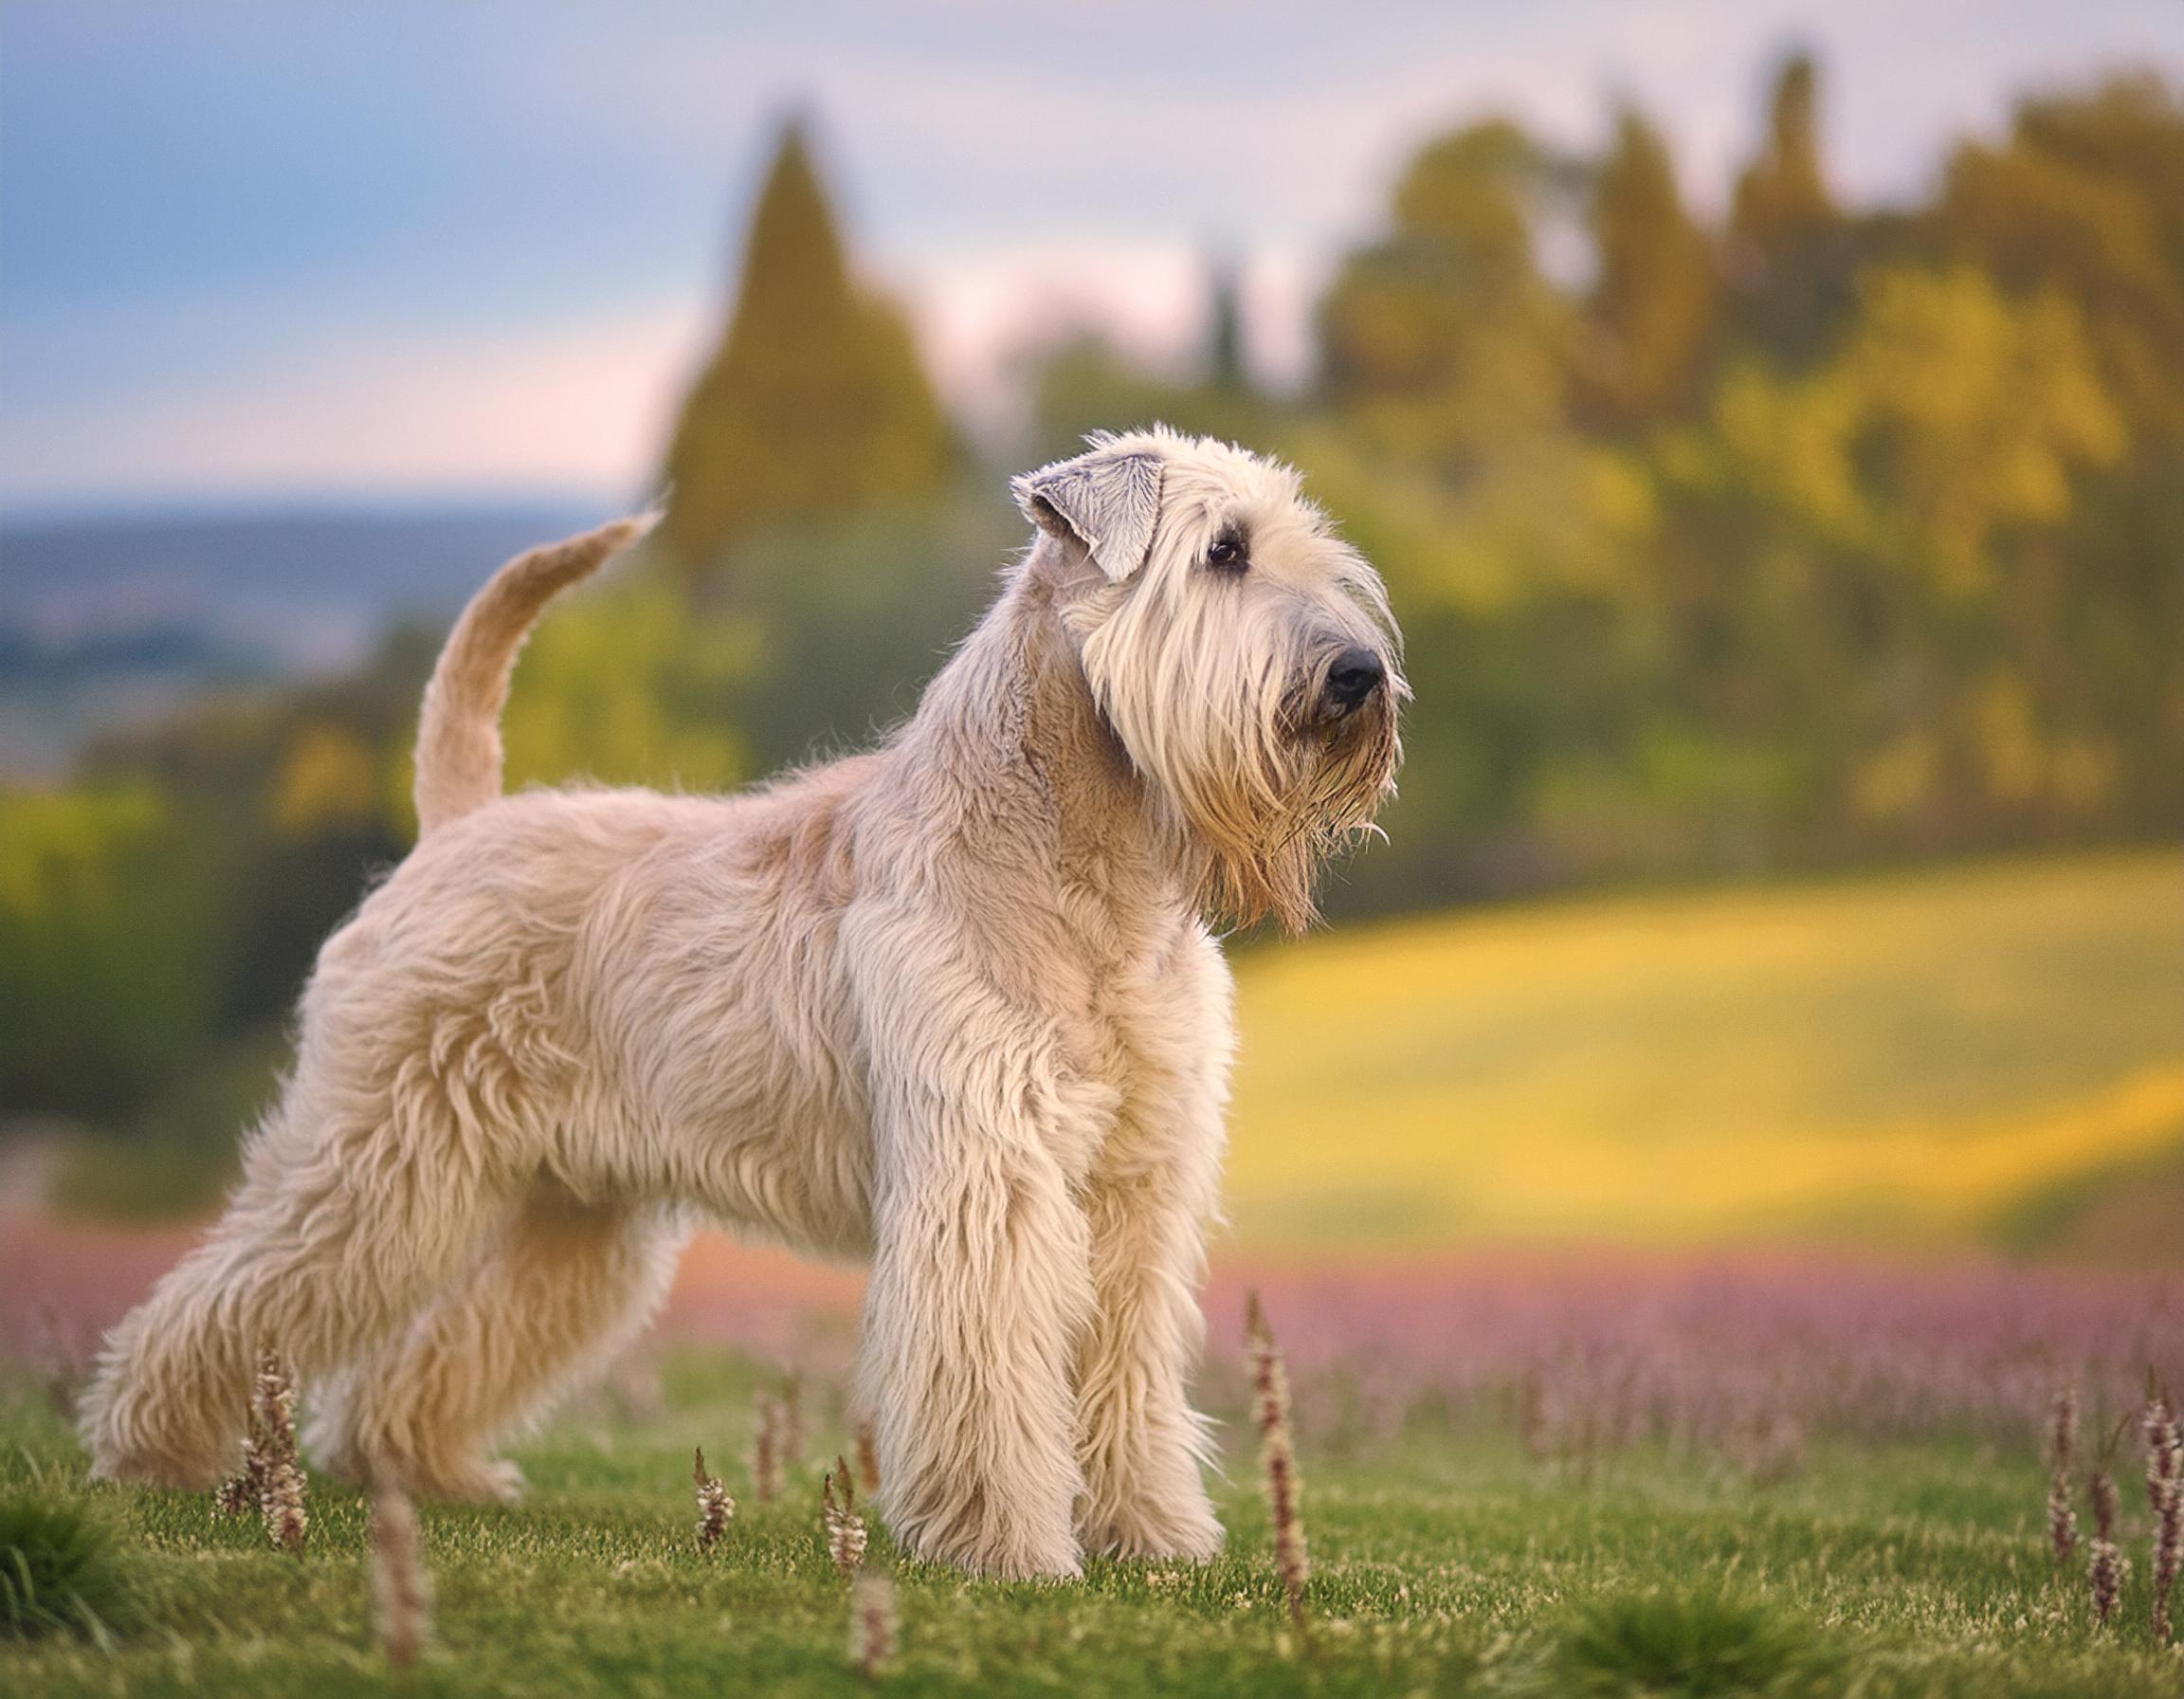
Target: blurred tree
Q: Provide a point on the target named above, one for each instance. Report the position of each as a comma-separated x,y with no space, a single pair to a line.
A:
327,777
109,951
1782,197
1442,342
1972,413
2085,200
1085,383
1652,306
1525,640
1789,252
814,404
1858,560
1227,368
625,686
856,615
285,796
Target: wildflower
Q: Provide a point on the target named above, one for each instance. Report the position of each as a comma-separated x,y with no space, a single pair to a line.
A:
60,1359
399,1580
845,1534
238,1494
2062,1438
2158,1424
714,1505
244,1491
871,1621
1771,1448
2104,1567
793,1431
270,1456
2165,1494
1270,1390
868,1458
1533,1422
766,1447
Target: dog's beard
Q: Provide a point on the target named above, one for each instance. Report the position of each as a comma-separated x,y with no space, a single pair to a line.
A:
1254,832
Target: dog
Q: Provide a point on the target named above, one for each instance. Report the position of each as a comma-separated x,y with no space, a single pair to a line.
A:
955,1008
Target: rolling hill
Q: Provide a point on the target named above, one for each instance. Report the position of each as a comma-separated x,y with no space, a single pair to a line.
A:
1975,1055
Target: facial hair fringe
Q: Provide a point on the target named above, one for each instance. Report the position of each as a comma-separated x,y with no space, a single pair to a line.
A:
1260,858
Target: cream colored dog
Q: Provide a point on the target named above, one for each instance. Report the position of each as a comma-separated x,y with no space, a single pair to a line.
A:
951,1007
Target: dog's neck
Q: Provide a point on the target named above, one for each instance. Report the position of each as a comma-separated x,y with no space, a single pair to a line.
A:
1036,770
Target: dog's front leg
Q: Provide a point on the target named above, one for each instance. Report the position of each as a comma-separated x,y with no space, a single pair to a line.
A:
1139,1443
1155,1186
980,1288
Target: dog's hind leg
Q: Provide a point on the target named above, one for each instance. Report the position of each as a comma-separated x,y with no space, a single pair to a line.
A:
559,1289
361,1199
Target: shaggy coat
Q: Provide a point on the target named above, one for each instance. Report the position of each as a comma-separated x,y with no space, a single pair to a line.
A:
952,1008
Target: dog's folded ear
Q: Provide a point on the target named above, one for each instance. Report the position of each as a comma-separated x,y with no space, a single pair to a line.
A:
1107,500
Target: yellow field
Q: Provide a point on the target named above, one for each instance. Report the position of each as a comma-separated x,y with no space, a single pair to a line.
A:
1902,1059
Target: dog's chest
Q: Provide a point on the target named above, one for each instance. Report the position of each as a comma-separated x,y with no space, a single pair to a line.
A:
1140,1025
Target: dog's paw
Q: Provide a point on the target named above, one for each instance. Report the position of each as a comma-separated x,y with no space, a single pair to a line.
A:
1189,1531
504,1483
1061,1564
1002,1554
498,1482
155,1468
475,1481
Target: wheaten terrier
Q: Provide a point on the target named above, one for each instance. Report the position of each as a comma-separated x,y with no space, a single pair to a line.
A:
952,1008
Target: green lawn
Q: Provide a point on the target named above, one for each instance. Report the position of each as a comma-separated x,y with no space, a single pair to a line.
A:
1446,1562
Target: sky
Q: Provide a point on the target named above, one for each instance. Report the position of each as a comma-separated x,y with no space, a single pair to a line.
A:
281,251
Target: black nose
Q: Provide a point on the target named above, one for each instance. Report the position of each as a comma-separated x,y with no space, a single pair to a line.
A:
1356,673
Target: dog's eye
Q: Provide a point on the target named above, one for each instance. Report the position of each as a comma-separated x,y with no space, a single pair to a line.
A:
1227,554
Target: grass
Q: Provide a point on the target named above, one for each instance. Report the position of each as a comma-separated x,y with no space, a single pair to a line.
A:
1914,1059
1698,1642
1447,1563
62,1571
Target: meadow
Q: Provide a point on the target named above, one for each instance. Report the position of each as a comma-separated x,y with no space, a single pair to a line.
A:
1973,1056
1452,1554
1666,1350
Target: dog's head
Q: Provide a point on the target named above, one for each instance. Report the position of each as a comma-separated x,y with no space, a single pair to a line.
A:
1242,653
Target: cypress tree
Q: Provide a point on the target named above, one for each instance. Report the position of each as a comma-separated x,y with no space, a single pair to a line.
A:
1652,307
1790,253
1225,369
1444,343
814,404
1784,192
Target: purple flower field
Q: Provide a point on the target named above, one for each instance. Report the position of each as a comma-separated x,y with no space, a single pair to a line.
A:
1746,1356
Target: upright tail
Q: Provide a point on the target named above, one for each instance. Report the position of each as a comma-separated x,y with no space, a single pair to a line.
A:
459,727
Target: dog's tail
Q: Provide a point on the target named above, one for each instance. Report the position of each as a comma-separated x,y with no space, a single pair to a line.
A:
459,727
